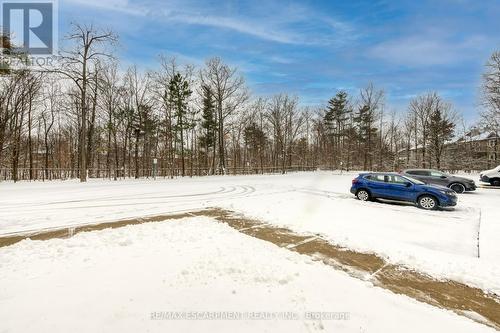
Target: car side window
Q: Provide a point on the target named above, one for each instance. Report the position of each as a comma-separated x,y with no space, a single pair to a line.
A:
394,179
419,173
436,174
377,178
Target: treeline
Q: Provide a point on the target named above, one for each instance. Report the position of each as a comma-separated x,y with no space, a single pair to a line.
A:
89,117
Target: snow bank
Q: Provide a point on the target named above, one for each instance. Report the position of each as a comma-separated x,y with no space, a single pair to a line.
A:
117,280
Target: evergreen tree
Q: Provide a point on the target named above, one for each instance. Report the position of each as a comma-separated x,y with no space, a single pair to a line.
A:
335,119
6,49
9,54
144,124
179,93
208,123
441,129
254,137
337,112
255,141
364,121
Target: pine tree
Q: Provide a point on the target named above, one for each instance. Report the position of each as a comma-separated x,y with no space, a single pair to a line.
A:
9,54
335,118
208,123
364,121
255,138
441,129
179,92
6,49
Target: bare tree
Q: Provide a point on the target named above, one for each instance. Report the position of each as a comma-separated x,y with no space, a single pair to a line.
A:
230,93
371,103
26,87
422,108
490,116
78,64
491,94
9,85
110,100
441,129
409,129
51,106
138,103
286,120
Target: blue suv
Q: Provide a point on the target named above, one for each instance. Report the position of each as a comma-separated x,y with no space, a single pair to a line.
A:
393,186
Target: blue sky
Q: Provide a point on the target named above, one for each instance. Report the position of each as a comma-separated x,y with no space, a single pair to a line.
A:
313,48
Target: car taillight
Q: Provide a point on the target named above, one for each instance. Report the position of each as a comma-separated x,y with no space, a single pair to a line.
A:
354,181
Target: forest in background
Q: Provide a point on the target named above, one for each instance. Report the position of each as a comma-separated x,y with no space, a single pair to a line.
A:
87,116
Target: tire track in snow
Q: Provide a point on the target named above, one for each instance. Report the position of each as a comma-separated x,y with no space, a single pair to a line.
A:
231,192
122,197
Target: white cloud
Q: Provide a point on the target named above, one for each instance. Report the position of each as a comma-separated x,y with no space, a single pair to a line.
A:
425,50
268,27
122,6
256,30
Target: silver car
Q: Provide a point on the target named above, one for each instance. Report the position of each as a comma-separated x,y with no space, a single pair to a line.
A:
430,176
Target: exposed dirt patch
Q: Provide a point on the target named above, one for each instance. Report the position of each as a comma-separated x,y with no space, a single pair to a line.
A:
446,294
320,248
460,298
233,220
65,232
279,236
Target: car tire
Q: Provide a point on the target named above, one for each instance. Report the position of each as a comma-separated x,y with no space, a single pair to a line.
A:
363,195
427,202
495,182
457,187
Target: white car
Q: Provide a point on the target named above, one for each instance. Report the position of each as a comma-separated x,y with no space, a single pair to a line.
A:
491,176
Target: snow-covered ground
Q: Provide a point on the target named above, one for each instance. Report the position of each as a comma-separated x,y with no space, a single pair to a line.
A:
442,243
134,278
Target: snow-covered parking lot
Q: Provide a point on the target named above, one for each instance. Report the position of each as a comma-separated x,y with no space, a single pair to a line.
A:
200,263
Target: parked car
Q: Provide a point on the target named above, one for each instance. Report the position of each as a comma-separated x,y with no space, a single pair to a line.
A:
491,176
397,187
435,177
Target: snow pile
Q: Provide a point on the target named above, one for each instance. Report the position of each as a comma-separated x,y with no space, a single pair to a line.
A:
130,279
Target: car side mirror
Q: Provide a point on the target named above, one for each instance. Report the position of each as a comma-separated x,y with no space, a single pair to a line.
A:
443,177
407,184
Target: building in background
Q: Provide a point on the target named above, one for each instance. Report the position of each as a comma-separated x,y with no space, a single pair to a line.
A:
475,151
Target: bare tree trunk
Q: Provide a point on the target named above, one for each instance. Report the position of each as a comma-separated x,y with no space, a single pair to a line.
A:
30,141
136,154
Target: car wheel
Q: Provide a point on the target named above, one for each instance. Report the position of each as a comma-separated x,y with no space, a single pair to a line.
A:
427,202
457,187
495,182
363,195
